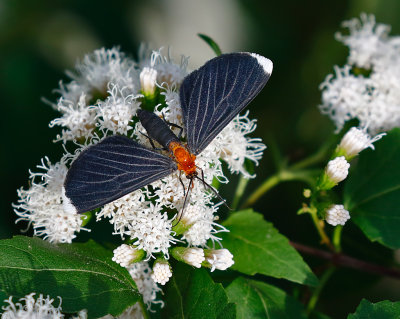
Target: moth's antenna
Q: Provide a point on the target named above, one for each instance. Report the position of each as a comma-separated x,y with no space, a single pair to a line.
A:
206,185
185,201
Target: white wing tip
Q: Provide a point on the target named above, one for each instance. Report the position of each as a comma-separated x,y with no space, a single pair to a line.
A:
67,205
266,63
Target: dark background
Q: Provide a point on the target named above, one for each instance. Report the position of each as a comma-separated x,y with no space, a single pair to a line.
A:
40,39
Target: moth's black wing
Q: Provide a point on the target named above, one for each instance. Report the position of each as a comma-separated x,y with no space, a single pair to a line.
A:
215,93
111,169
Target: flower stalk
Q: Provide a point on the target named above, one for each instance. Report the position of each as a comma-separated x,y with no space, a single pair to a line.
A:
307,176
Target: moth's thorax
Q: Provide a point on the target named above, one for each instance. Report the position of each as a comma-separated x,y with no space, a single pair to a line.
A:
183,158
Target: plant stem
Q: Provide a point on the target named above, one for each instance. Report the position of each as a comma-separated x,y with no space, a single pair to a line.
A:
281,176
239,191
315,158
322,282
294,172
319,225
339,259
337,236
262,189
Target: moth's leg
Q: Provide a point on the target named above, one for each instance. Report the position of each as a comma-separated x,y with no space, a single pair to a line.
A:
173,125
152,143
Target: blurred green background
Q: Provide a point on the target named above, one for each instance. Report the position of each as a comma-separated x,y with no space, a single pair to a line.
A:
40,39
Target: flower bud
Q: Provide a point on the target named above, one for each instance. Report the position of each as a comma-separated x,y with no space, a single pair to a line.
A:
335,172
126,255
192,256
307,193
148,78
161,271
336,215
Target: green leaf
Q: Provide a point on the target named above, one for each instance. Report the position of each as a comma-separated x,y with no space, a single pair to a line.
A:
213,45
372,192
380,310
83,275
255,299
191,293
257,247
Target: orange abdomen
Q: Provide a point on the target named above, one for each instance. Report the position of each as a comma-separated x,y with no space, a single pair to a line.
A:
183,158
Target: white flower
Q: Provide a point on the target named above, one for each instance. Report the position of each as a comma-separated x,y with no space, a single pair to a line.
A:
141,274
337,169
117,111
41,205
161,272
356,140
78,118
152,230
127,254
173,113
201,219
28,307
169,192
337,215
168,71
105,77
367,40
345,96
234,146
220,259
97,70
371,95
141,220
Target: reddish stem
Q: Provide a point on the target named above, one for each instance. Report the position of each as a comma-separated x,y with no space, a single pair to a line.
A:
340,259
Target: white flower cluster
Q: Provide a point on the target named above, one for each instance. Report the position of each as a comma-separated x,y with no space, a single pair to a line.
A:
42,308
41,205
101,95
141,274
233,143
102,99
29,307
368,86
